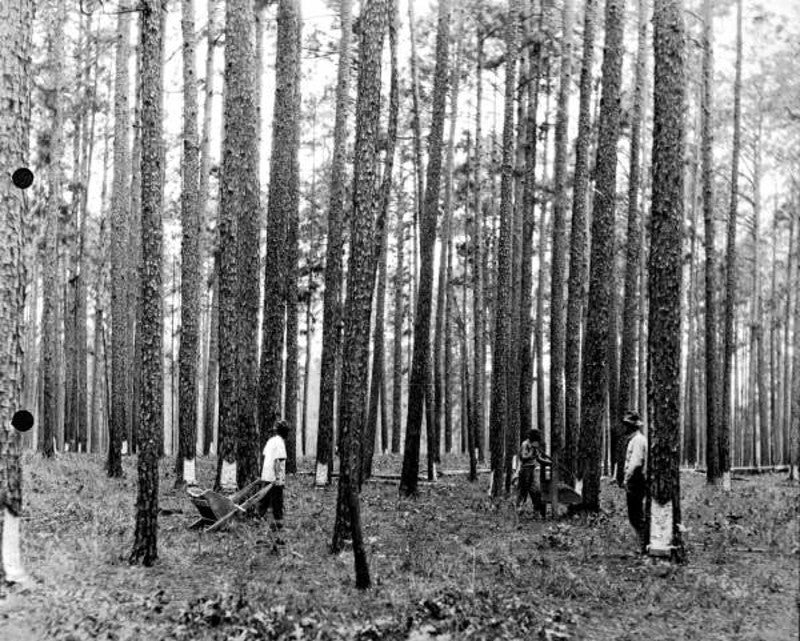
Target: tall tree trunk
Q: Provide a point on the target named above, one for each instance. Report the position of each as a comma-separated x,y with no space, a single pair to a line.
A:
498,417
557,265
190,257
528,205
331,314
595,373
439,372
283,202
730,266
151,329
786,400
538,338
120,207
627,400
397,323
133,343
478,276
377,395
420,366
209,214
794,436
50,314
360,283
712,378
664,283
212,377
16,26
238,254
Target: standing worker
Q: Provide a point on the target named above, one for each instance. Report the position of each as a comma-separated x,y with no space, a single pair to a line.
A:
635,480
274,472
530,456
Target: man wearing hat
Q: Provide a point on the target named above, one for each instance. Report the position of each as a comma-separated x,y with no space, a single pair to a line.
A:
11,497
635,482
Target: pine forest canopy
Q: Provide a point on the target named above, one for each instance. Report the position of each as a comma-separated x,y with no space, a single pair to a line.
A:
206,170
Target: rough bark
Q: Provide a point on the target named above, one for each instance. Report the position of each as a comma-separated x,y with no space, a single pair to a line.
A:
577,248
360,284
498,416
595,375
420,365
478,418
208,214
664,270
730,261
120,204
711,356
16,25
331,321
377,393
558,262
151,328
238,256
190,251
397,324
630,307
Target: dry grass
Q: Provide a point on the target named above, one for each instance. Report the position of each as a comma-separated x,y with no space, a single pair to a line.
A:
449,565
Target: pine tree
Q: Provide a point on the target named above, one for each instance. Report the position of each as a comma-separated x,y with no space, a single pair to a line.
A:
151,409
420,364
360,284
632,241
190,257
331,321
16,26
730,268
595,375
664,279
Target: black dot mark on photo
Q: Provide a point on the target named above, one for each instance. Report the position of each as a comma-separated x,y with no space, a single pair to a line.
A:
22,420
22,178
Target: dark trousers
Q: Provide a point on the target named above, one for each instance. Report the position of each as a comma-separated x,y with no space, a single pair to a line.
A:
273,499
529,487
636,495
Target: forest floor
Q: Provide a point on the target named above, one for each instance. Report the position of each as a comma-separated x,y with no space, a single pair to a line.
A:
448,566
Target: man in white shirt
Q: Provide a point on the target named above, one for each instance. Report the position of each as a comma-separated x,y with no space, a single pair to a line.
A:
635,480
274,471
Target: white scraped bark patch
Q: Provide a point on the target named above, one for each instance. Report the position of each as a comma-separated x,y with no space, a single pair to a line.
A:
124,447
189,475
227,477
322,475
726,481
661,529
12,556
579,487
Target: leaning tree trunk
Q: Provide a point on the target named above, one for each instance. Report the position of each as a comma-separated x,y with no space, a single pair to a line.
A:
499,403
594,382
420,364
630,309
664,283
331,311
360,283
190,258
151,328
730,267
